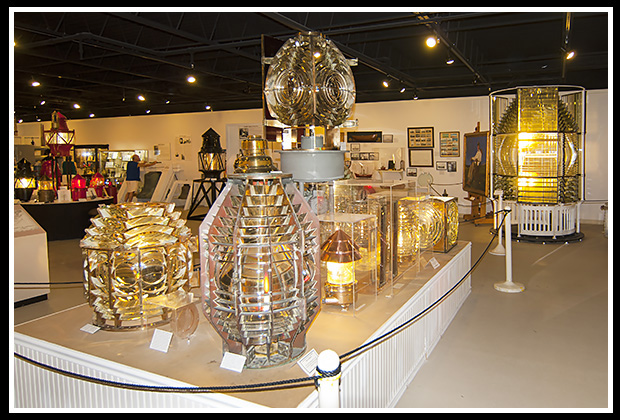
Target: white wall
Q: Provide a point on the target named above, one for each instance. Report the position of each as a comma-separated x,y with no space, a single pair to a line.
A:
452,114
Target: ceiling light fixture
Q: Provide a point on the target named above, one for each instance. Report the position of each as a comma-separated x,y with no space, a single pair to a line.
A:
141,98
191,79
431,41
34,83
570,54
450,60
386,83
76,106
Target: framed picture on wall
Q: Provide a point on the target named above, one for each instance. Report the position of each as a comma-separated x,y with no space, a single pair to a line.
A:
421,157
420,137
364,137
449,144
476,163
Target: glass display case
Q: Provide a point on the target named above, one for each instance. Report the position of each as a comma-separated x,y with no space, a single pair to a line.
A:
349,260
447,211
89,158
115,163
379,199
426,224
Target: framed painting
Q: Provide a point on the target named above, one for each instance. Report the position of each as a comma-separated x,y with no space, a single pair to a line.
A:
422,137
421,157
476,163
449,144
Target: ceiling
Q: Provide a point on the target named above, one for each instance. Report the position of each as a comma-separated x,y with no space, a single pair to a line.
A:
103,60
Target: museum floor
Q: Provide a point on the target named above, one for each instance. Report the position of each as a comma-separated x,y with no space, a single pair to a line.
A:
546,347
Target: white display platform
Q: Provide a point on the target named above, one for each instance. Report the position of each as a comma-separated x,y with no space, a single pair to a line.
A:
30,260
375,378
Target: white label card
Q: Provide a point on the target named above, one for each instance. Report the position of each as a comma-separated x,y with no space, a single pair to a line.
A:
90,328
232,361
309,362
161,340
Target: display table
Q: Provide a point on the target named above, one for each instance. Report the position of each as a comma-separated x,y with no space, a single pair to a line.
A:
30,259
64,220
375,378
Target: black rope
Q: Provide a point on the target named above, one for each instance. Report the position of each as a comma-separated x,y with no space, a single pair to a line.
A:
264,386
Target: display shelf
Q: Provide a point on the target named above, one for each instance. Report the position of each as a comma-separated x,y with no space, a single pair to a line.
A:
375,378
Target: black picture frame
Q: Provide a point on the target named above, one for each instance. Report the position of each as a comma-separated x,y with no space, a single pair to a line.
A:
364,137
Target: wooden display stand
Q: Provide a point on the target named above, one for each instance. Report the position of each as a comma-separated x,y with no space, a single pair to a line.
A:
478,210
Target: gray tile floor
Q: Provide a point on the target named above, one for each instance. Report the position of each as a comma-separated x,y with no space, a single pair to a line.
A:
546,347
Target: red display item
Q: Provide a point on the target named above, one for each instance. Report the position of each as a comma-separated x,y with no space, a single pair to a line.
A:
98,183
78,188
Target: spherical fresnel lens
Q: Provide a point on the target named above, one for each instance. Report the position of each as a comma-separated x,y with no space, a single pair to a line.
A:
309,82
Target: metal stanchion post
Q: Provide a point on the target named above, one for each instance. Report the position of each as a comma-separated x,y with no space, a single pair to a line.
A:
499,249
328,368
508,286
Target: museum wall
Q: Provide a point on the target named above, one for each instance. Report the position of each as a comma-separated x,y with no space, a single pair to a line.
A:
178,137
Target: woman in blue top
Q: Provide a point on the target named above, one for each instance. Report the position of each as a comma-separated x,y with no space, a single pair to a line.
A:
132,177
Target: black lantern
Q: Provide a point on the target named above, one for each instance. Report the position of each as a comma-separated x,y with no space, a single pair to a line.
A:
25,182
211,157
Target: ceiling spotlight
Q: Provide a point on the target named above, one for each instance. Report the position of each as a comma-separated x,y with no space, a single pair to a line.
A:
386,83
191,79
208,107
431,41
402,89
141,98
570,54
450,60
91,115
34,83
76,106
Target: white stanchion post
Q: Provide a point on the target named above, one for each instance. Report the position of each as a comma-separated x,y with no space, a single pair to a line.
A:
499,249
328,385
508,286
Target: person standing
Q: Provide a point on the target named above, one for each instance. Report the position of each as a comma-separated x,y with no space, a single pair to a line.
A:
132,176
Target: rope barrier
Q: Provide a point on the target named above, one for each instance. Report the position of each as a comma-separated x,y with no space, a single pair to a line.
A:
273,385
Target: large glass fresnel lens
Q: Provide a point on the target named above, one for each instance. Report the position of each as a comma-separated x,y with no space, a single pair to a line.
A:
259,279
537,144
135,254
310,83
